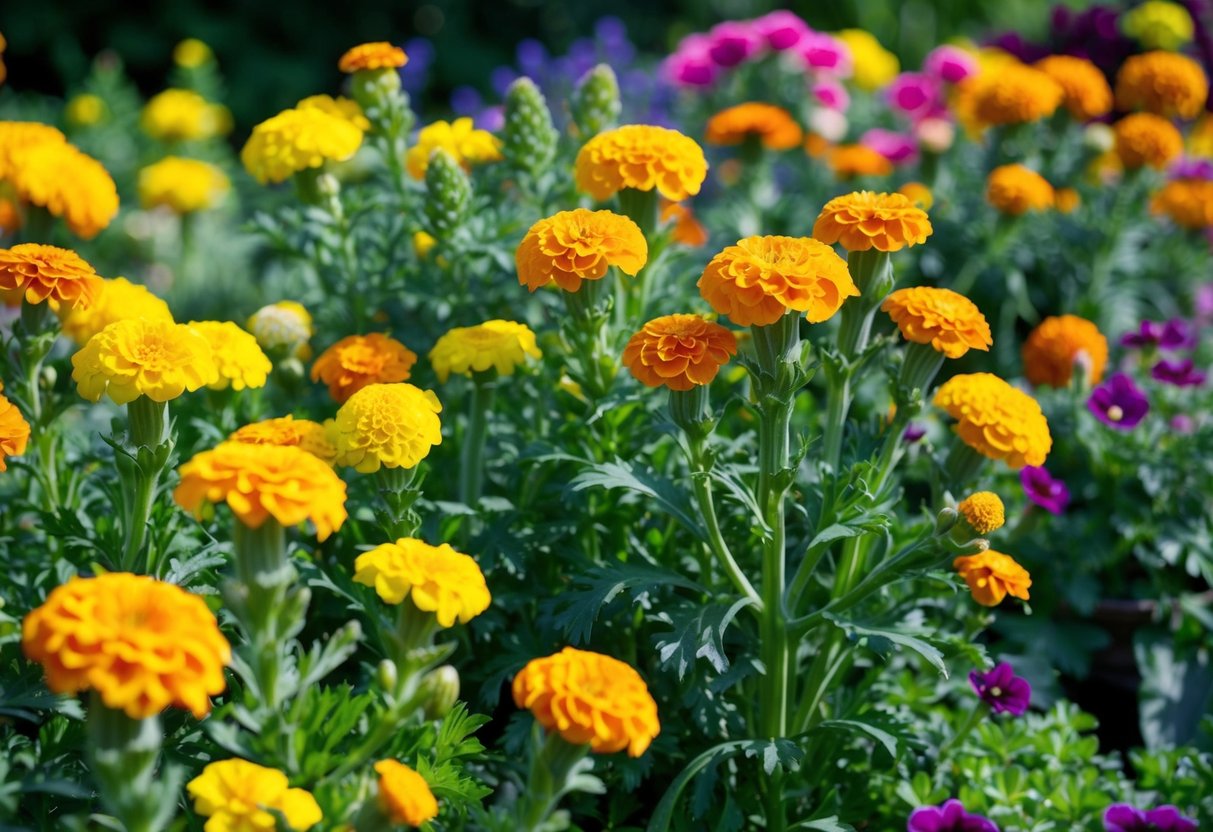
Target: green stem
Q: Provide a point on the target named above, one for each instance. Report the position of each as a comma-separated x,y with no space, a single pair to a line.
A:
977,714
552,764
702,485
122,755
147,431
471,471
264,573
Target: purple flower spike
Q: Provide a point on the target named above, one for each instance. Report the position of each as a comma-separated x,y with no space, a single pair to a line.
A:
1121,817
1118,403
950,817
1179,373
1002,690
1044,489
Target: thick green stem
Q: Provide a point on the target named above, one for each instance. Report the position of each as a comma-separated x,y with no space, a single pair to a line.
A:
122,755
641,208
702,484
147,432
264,573
471,471
552,765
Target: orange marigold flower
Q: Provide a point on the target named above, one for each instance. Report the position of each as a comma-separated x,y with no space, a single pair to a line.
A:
1053,348
687,230
140,643
392,425
1188,202
263,481
589,698
1066,200
992,576
756,281
851,160
1147,140
773,126
1016,190
1164,83
864,220
1015,94
436,579
404,796
679,351
919,194
377,55
948,321
995,419
358,360
641,157
1086,92
68,183
14,431
42,272
141,357
578,245
289,431
17,136
983,511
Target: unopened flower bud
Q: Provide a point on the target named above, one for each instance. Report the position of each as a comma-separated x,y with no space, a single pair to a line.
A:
1099,138
386,675
595,102
448,194
945,520
440,687
371,87
528,138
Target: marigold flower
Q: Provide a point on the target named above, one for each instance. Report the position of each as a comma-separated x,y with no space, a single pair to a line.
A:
192,53
341,107
992,576
1144,139
14,431
298,140
392,425
578,245
918,194
1164,83
423,244
287,431
679,351
239,796
437,579
139,357
183,115
116,300
948,321
1085,91
687,230
404,796
1016,94
263,481
358,360
42,272
983,511
498,344
239,359
1066,200
771,125
589,698
68,183
85,109
460,138
995,419
1188,202
377,55
1158,24
182,185
851,160
644,158
756,281
864,220
140,643
873,65
1057,344
282,327
1016,190
17,136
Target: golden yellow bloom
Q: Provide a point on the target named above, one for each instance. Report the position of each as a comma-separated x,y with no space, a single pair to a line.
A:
404,796
298,140
948,321
1085,91
1164,83
851,160
392,425
773,126
643,158
995,419
283,327
874,66
756,281
183,185
687,230
578,245
467,145
358,360
1016,94
918,194
1066,200
66,182
138,357
141,644
84,109
423,243
437,579
239,359
1147,140
192,53
1052,349
18,136
377,55
42,272
14,431
1157,24
589,698
679,351
263,481
1188,202
287,431
341,107
184,115
983,511
239,796
992,576
116,300
498,344
1015,190
864,220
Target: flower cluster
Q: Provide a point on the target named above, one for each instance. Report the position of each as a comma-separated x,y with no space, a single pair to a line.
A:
386,425
948,321
572,246
866,220
141,357
298,140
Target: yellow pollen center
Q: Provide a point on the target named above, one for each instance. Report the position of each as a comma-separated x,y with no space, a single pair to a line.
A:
1115,413
995,691
150,355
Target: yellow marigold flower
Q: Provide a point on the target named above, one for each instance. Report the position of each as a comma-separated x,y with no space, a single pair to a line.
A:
358,360
948,321
1200,139
851,160
643,158
1085,91
918,194
983,511
377,55
498,344
85,109
141,644
239,796
404,796
1147,140
298,140
437,579
1066,200
42,272
14,431
183,115
687,230
183,185
423,243
116,300
679,351
263,481
1164,83
237,355
1052,349
1188,202
1157,24
756,281
283,327
773,126
589,698
864,220
1015,190
1016,94
287,431
192,53
578,245
460,138
341,107
18,136
874,66
68,183
139,357
992,576
995,419
392,425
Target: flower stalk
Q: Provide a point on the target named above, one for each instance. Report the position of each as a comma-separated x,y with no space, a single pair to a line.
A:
555,765
471,470
123,755
150,445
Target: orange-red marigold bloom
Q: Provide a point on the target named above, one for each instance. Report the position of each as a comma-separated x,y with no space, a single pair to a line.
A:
358,360
1147,140
1188,202
992,576
679,351
43,272
1016,189
851,160
572,246
1086,91
948,321
376,55
865,220
14,431
1165,83
995,419
771,125
1052,349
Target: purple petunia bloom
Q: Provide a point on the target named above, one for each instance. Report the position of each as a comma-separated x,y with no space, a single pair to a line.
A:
734,42
1188,167
825,53
1044,489
1118,403
950,817
1183,423
950,64
1175,334
831,94
913,94
1002,690
914,432
691,65
782,29
1121,817
1179,373
898,148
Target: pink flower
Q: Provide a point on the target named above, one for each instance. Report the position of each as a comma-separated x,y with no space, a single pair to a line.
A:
691,65
950,64
782,29
914,94
898,148
831,94
734,42
825,53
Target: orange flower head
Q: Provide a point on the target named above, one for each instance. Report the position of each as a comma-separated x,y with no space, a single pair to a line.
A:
1016,190
918,194
995,419
687,230
1188,202
42,272
358,360
983,511
68,183
1086,92
679,351
865,220
1147,140
948,321
377,55
1015,94
1057,344
289,431
14,432
404,796
572,246
1164,83
771,125
992,576
1066,200
17,136
851,160
643,158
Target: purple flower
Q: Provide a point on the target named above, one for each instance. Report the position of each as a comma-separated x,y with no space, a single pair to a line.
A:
1175,334
782,29
950,817
949,64
421,56
914,94
1189,167
1044,489
1002,690
1204,302
825,53
1179,373
532,57
913,433
1121,817
466,101
691,65
491,118
733,42
1183,423
898,148
831,94
1118,403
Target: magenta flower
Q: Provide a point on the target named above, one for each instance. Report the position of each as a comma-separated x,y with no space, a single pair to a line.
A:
691,65
782,29
825,53
831,94
1121,817
1044,489
734,42
950,64
1175,334
1189,167
950,817
914,94
1118,403
1204,302
1183,423
1002,690
1179,373
898,148
914,432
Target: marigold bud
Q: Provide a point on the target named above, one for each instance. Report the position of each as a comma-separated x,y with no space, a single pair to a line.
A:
448,194
595,103
529,138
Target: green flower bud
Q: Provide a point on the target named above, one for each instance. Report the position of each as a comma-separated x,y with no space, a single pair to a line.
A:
529,138
595,103
386,675
440,689
371,87
448,194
